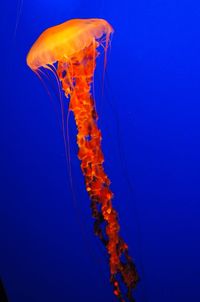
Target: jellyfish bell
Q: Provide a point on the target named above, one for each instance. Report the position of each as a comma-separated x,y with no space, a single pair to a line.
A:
65,40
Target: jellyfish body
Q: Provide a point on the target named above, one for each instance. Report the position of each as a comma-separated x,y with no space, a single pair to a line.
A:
73,45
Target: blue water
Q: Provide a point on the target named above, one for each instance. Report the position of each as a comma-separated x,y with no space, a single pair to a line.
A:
150,121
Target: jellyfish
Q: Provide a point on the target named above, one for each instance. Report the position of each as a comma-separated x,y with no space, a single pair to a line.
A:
70,50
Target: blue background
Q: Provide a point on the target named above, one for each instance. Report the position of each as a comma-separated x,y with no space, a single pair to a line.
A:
150,121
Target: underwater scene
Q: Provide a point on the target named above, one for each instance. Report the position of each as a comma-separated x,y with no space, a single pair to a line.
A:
100,151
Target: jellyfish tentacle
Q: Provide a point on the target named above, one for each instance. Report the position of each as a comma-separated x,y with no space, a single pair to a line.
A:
78,84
